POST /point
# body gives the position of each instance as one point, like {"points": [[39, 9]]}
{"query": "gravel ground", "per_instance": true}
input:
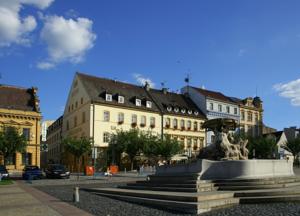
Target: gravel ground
{"points": [[99, 205]]}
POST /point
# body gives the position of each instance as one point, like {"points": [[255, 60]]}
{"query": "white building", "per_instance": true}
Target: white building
{"points": [[213, 105]]}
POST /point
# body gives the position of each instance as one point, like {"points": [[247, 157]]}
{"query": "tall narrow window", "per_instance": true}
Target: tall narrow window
{"points": [[152, 122], [242, 115], [220, 108], [83, 117], [105, 137], [106, 116], [195, 126], [211, 106], [182, 124], [235, 111], [121, 118], [189, 125], [175, 123], [75, 121], [143, 121], [249, 117], [228, 109], [167, 122], [134, 120], [26, 133]]}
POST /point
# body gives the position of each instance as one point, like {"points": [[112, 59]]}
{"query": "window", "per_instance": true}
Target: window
{"points": [[220, 108], [108, 97], [167, 122], [138, 102], [195, 144], [189, 125], [68, 126], [211, 106], [242, 115], [182, 124], [249, 117], [121, 118], [83, 117], [75, 121], [105, 137], [72, 107], [189, 142], [228, 109], [152, 122], [183, 110], [176, 109], [81, 100], [143, 121], [201, 143], [26, 158], [190, 112], [256, 118], [106, 116], [175, 123], [195, 126], [120, 99], [26, 133], [169, 109], [76, 104], [148, 104], [235, 111], [134, 119], [10, 160]]}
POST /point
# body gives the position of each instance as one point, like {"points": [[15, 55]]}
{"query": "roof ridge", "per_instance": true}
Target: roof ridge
{"points": [[13, 86]]}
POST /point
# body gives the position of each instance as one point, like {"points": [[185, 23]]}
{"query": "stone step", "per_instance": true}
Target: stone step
{"points": [[180, 189], [268, 192], [269, 199], [254, 187], [284, 178], [173, 178], [168, 184], [266, 182], [180, 206], [166, 195]]}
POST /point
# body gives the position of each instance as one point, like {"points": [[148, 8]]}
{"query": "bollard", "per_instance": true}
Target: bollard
{"points": [[76, 194], [125, 170]]}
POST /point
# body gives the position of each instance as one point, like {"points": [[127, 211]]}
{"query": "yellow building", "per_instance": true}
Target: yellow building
{"points": [[97, 107], [251, 115], [19, 107]]}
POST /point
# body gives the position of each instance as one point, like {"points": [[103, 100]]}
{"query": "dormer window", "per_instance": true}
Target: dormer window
{"points": [[169, 109], [176, 109], [120, 99], [108, 97], [196, 113], [138, 102], [148, 104], [183, 111], [190, 112]]}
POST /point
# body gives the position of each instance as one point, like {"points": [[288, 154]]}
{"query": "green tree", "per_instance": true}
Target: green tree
{"points": [[77, 147], [11, 142], [131, 142], [264, 147], [165, 148], [294, 147]]}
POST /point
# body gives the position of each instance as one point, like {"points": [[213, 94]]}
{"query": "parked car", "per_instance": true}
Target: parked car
{"points": [[4, 172], [57, 171], [32, 172]]}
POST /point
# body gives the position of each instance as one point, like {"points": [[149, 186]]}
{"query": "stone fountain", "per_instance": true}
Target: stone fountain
{"points": [[224, 159]]}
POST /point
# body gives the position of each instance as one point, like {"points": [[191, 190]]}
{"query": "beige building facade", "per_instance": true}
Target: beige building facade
{"points": [[98, 107], [19, 108]]}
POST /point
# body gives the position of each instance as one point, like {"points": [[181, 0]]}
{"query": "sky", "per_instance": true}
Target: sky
{"points": [[240, 48]]}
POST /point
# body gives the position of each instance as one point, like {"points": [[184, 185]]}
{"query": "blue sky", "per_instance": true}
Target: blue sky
{"points": [[236, 47]]}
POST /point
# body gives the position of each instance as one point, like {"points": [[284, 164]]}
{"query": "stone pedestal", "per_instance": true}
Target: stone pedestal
{"points": [[233, 169]]}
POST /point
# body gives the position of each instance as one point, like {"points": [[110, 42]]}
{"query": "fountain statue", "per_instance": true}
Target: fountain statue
{"points": [[223, 148]]}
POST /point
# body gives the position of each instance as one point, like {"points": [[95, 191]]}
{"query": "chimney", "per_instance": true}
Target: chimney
{"points": [[147, 86]]}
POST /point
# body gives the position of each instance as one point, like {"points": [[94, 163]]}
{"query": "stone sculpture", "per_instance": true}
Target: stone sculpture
{"points": [[222, 148]]}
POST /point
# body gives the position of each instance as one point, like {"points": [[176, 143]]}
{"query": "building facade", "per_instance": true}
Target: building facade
{"points": [[19, 107], [54, 139], [292, 133], [251, 115], [98, 107], [213, 105], [44, 144]]}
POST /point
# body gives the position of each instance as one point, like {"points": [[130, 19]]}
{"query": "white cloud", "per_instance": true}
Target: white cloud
{"points": [[290, 90], [13, 27], [45, 65], [142, 80], [66, 39]]}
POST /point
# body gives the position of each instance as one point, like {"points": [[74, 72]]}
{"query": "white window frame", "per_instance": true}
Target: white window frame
{"points": [[121, 117], [106, 116], [148, 104], [108, 97], [138, 102], [106, 137], [121, 99]]}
